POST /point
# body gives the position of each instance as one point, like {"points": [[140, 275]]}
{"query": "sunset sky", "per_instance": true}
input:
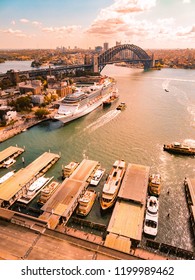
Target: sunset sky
{"points": [[88, 23]]}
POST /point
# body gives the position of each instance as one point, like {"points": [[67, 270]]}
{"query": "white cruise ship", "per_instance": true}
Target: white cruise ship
{"points": [[84, 100]]}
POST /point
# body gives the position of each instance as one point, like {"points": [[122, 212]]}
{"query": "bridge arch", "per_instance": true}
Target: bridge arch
{"points": [[108, 55]]}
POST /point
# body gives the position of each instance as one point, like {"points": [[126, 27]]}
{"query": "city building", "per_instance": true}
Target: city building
{"points": [[34, 86]]}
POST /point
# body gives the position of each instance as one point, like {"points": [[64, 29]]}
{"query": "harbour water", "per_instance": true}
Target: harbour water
{"points": [[153, 117]]}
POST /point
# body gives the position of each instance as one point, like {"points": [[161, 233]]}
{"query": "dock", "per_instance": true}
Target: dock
{"points": [[64, 201], [125, 230], [10, 152], [189, 185], [13, 188]]}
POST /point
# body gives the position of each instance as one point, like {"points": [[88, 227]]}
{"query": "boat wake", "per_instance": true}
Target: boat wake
{"points": [[190, 142], [103, 120]]}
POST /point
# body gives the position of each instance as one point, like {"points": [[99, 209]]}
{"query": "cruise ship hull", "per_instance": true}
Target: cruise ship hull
{"points": [[86, 109]]}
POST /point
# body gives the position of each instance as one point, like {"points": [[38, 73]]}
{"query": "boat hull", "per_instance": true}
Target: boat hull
{"points": [[179, 151]]}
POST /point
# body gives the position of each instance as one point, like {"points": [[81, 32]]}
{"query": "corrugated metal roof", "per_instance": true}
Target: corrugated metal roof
{"points": [[135, 183], [127, 220]]}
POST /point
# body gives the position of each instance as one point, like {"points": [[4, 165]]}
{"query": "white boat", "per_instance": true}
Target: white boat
{"points": [[151, 217], [112, 185], [86, 202], [34, 189], [9, 162], [6, 176], [83, 101], [97, 176]]}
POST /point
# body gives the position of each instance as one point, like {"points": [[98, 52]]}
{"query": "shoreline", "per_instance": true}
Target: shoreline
{"points": [[21, 126]]}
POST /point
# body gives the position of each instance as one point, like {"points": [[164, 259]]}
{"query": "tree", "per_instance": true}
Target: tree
{"points": [[21, 104], [41, 113]]}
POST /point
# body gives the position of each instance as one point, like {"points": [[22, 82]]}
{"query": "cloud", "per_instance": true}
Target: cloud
{"points": [[186, 1], [24, 20], [36, 23], [11, 31], [13, 22], [61, 29]]}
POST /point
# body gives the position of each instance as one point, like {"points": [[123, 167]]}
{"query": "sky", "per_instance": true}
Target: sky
{"points": [[150, 24]]}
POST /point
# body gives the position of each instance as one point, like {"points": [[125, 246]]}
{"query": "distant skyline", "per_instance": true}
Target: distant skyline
{"points": [[149, 24]]}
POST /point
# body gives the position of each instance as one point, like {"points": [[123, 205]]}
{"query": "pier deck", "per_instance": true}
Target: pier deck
{"points": [[10, 152], [13, 188], [123, 228], [190, 194], [64, 201]]}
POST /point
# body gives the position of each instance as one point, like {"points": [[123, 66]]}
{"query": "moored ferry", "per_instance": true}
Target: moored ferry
{"points": [[34, 189], [98, 174], [86, 202], [68, 169], [154, 185], [47, 192], [178, 148], [112, 185], [6, 176], [83, 100]]}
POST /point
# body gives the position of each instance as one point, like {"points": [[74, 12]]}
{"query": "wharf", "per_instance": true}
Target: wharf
{"points": [[10, 152], [13, 188], [125, 231], [64, 201], [189, 185]]}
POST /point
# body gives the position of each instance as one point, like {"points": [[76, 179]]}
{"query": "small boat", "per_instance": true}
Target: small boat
{"points": [[6, 176], [86, 202], [113, 97], [121, 106], [154, 185], [112, 185], [151, 217], [69, 169], [47, 192], [97, 176], [9, 162], [178, 148], [34, 189], [166, 90]]}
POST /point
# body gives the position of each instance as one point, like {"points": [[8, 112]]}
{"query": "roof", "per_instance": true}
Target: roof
{"points": [[135, 183], [128, 225]]}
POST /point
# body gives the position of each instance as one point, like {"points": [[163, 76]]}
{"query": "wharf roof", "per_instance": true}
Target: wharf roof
{"points": [[13, 185], [135, 183], [65, 197], [8, 152], [191, 187], [127, 225]]}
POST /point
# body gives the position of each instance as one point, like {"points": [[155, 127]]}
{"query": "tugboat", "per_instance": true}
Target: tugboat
{"points": [[154, 185], [112, 185], [178, 148], [113, 97], [121, 106], [86, 202]]}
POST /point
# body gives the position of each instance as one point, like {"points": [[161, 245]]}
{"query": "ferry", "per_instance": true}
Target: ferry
{"points": [[151, 217], [83, 100], [6, 176], [154, 185], [34, 189], [97, 176], [121, 106], [9, 162], [47, 192], [68, 169], [113, 97], [178, 148], [112, 185], [86, 202]]}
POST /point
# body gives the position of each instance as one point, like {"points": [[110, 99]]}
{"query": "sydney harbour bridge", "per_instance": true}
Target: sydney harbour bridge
{"points": [[128, 53]]}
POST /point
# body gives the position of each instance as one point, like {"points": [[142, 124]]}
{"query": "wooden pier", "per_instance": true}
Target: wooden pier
{"points": [[64, 201], [189, 185], [13, 188], [10, 152], [125, 230]]}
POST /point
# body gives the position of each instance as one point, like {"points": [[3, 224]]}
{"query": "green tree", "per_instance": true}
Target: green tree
{"points": [[41, 113]]}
